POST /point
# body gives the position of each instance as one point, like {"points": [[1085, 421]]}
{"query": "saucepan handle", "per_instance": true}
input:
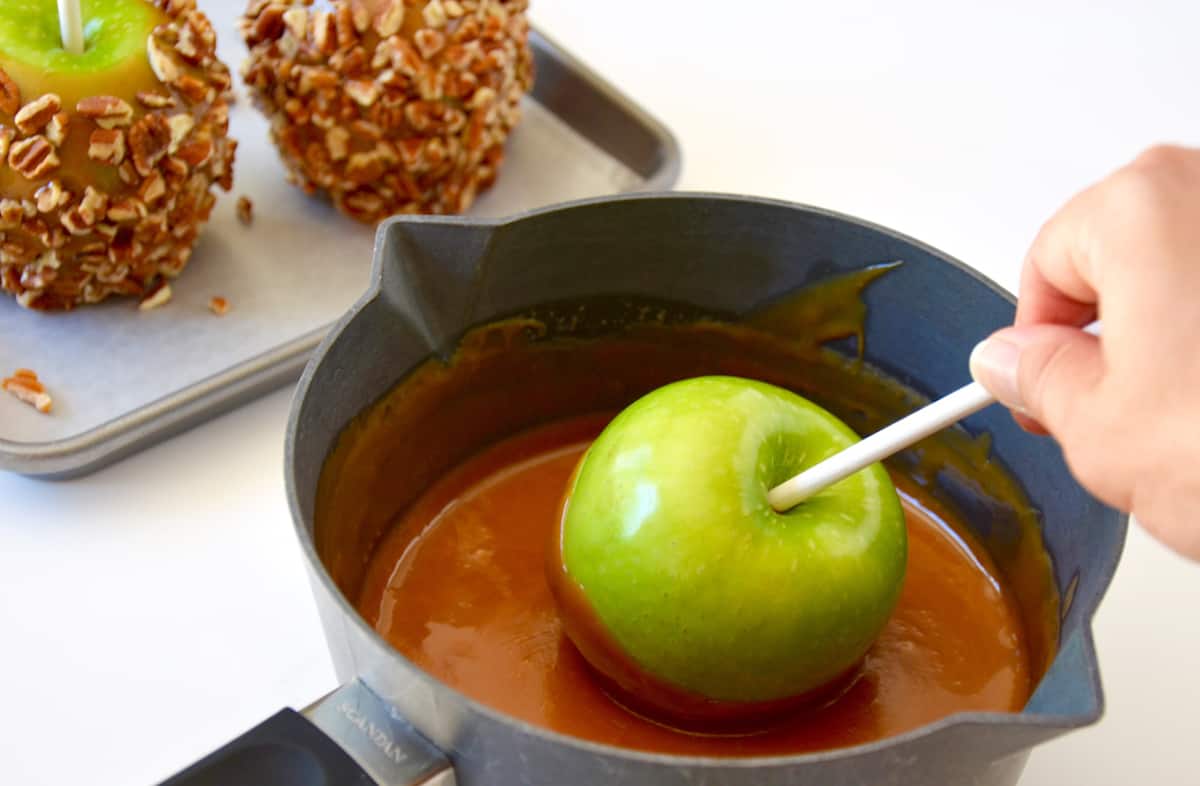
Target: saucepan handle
{"points": [[349, 738]]}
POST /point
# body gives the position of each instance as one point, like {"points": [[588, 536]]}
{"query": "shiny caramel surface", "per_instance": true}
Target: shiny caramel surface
{"points": [[457, 585]]}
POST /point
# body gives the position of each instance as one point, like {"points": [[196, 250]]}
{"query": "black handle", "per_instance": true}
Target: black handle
{"points": [[284, 750]]}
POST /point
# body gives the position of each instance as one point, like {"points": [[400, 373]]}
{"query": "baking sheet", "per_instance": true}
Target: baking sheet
{"points": [[121, 379]]}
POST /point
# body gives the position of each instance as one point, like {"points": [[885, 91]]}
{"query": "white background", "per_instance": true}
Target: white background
{"points": [[151, 611]]}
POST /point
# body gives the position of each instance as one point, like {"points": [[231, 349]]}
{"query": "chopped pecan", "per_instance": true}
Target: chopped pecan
{"points": [[25, 385], [187, 46], [434, 13], [11, 214], [361, 15], [107, 111], [296, 22], [127, 173], [267, 26], [159, 296], [107, 145], [365, 167], [94, 204], [196, 152], [10, 94], [389, 18], [421, 115], [352, 63], [51, 196], [194, 90], [245, 210], [363, 202], [314, 78], [126, 209], [33, 157], [175, 172], [435, 152], [181, 125], [56, 129], [161, 62], [153, 188], [75, 222], [13, 253], [152, 100], [347, 35], [149, 139], [324, 32], [411, 153], [364, 129], [362, 92], [34, 116], [459, 56], [429, 42], [482, 98], [337, 141]]}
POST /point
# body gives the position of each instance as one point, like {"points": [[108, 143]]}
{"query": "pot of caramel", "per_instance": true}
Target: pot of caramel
{"points": [[474, 333]]}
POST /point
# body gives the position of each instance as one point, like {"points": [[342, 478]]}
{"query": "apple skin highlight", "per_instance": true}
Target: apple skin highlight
{"points": [[697, 603]]}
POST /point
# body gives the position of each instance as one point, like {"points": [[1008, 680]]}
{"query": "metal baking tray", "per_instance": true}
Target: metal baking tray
{"points": [[123, 379]]}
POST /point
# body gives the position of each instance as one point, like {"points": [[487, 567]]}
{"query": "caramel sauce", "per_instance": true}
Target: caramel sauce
{"points": [[458, 586]]}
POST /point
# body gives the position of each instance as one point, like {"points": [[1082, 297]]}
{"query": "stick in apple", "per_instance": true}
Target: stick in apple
{"points": [[905, 432], [70, 22]]}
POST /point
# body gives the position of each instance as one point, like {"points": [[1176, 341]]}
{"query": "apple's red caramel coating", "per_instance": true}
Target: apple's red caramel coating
{"points": [[390, 106], [458, 587], [105, 179]]}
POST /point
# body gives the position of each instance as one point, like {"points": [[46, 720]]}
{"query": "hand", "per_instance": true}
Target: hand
{"points": [[1126, 406]]}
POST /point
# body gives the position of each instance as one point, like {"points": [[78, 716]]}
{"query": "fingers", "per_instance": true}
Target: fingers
{"points": [[1057, 282], [1046, 374]]}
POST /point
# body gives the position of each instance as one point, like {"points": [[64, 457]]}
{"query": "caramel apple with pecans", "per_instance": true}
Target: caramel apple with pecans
{"points": [[390, 106], [107, 152]]}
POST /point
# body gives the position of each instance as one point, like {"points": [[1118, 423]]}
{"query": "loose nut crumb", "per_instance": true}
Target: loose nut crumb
{"points": [[157, 298], [218, 305], [245, 210], [25, 385]]}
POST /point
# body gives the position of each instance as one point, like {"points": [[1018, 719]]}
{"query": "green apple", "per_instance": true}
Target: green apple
{"points": [[668, 538], [108, 155], [35, 64], [114, 32]]}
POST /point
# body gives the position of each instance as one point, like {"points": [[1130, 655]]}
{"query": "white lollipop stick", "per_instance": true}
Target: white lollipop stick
{"points": [[70, 24], [887, 441]]}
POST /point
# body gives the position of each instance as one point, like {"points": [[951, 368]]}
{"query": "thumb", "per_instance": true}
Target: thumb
{"points": [[1044, 372]]}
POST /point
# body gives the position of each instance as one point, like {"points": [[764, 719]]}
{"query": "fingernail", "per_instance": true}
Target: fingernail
{"points": [[994, 365]]}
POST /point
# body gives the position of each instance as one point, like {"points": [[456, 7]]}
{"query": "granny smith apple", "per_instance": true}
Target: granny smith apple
{"points": [[692, 586], [114, 32], [107, 155]]}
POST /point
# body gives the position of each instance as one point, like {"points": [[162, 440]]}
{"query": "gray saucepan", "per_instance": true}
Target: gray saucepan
{"points": [[436, 277]]}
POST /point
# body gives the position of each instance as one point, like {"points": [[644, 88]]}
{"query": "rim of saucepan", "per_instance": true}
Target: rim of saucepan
{"points": [[1047, 721]]}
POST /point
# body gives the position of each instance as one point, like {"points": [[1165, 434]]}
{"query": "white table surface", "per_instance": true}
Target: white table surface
{"points": [[153, 610]]}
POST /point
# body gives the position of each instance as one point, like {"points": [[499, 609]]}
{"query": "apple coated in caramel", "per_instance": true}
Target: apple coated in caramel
{"points": [[107, 158], [390, 106]]}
